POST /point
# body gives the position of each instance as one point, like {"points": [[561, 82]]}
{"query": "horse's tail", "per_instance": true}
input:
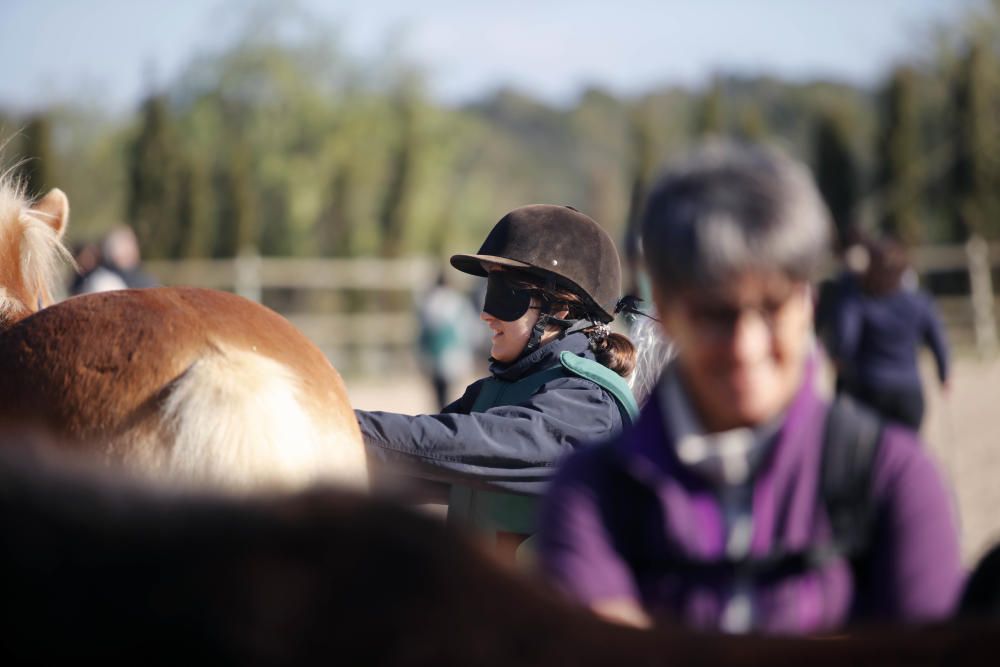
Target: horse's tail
{"points": [[653, 351], [239, 419]]}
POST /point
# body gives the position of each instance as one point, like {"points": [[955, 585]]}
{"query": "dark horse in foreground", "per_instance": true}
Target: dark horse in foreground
{"points": [[94, 567]]}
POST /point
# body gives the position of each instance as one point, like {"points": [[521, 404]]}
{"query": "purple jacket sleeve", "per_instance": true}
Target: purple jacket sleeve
{"points": [[917, 572], [575, 551]]}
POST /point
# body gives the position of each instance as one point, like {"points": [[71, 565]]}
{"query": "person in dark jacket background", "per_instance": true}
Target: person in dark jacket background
{"points": [[553, 286], [725, 505], [879, 329]]}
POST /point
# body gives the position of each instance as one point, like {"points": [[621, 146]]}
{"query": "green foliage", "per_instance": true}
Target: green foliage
{"points": [[900, 155], [836, 171], [153, 181], [281, 141], [711, 119], [37, 168], [974, 168]]}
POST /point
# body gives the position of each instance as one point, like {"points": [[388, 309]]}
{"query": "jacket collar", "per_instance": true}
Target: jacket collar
{"points": [[649, 450], [544, 357]]}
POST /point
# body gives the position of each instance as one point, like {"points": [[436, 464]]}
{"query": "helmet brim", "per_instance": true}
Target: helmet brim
{"points": [[473, 264]]}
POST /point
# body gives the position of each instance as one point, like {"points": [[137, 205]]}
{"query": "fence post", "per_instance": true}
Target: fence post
{"points": [[981, 283], [247, 268]]}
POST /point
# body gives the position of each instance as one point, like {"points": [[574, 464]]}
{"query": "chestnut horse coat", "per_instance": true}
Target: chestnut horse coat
{"points": [[192, 385]]}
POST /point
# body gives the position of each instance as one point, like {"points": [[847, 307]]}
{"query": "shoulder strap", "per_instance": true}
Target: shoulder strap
{"points": [[853, 433], [500, 392], [605, 378]]}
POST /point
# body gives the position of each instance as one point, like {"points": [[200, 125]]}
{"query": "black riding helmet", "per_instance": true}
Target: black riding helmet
{"points": [[556, 243]]}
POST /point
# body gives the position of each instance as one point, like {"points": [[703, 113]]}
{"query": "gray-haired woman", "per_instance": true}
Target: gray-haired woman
{"points": [[742, 500]]}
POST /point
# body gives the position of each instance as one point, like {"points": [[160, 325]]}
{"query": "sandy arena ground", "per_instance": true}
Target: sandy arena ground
{"points": [[962, 429]]}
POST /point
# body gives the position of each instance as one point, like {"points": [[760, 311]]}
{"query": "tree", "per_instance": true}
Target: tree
{"points": [[335, 223], [641, 131], [710, 119], [836, 171], [153, 181], [393, 211], [752, 126], [195, 211], [973, 174], [899, 153], [237, 215], [37, 169]]}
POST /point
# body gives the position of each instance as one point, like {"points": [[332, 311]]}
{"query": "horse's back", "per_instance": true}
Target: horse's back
{"points": [[199, 382]]}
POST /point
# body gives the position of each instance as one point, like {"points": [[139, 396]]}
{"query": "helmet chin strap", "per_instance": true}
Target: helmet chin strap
{"points": [[544, 319]]}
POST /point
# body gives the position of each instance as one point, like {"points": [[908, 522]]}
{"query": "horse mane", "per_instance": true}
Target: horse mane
{"points": [[42, 252]]}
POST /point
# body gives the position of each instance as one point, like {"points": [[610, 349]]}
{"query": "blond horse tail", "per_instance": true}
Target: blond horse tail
{"points": [[236, 419]]}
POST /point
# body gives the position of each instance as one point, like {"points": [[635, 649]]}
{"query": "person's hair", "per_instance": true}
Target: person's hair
{"points": [[733, 208], [613, 350], [887, 264]]}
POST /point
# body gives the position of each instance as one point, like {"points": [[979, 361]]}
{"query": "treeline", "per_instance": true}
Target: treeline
{"points": [[291, 147]]}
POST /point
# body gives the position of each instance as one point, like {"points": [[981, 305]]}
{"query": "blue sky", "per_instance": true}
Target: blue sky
{"points": [[104, 50]]}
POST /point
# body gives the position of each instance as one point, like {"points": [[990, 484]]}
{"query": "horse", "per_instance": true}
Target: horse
{"points": [[98, 567], [190, 385]]}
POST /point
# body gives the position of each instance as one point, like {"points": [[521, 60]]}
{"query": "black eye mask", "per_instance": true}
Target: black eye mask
{"points": [[503, 301]]}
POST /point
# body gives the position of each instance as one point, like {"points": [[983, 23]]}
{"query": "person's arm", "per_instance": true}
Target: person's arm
{"points": [[935, 338], [847, 330], [575, 549], [513, 443], [917, 572]]}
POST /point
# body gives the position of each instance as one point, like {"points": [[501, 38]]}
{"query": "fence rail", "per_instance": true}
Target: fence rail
{"points": [[356, 341], [369, 341]]}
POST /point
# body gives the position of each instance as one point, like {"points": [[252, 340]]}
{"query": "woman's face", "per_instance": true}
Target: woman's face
{"points": [[510, 338], [741, 348]]}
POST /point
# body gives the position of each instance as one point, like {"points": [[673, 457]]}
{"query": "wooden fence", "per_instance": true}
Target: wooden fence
{"points": [[361, 312]]}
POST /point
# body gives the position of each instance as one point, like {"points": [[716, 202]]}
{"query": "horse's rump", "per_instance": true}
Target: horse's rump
{"points": [[193, 384]]}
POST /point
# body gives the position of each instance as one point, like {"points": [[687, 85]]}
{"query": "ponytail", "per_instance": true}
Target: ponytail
{"points": [[616, 352]]}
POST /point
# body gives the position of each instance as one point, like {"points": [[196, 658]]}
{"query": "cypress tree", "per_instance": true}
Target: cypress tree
{"points": [[152, 181], [393, 211], [194, 208], [973, 172], [641, 131], [752, 126], [335, 223], [710, 119], [836, 172], [37, 169], [237, 214], [899, 155]]}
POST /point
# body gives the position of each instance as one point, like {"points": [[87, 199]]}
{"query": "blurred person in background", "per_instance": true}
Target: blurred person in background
{"points": [[556, 376], [741, 500], [92, 275], [853, 260], [879, 329], [447, 342], [120, 251]]}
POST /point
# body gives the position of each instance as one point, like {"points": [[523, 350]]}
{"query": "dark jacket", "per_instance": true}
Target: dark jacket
{"points": [[514, 447], [878, 338]]}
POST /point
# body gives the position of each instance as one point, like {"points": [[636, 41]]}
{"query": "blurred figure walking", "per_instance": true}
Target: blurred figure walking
{"points": [[878, 333], [92, 275], [446, 344], [120, 250]]}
